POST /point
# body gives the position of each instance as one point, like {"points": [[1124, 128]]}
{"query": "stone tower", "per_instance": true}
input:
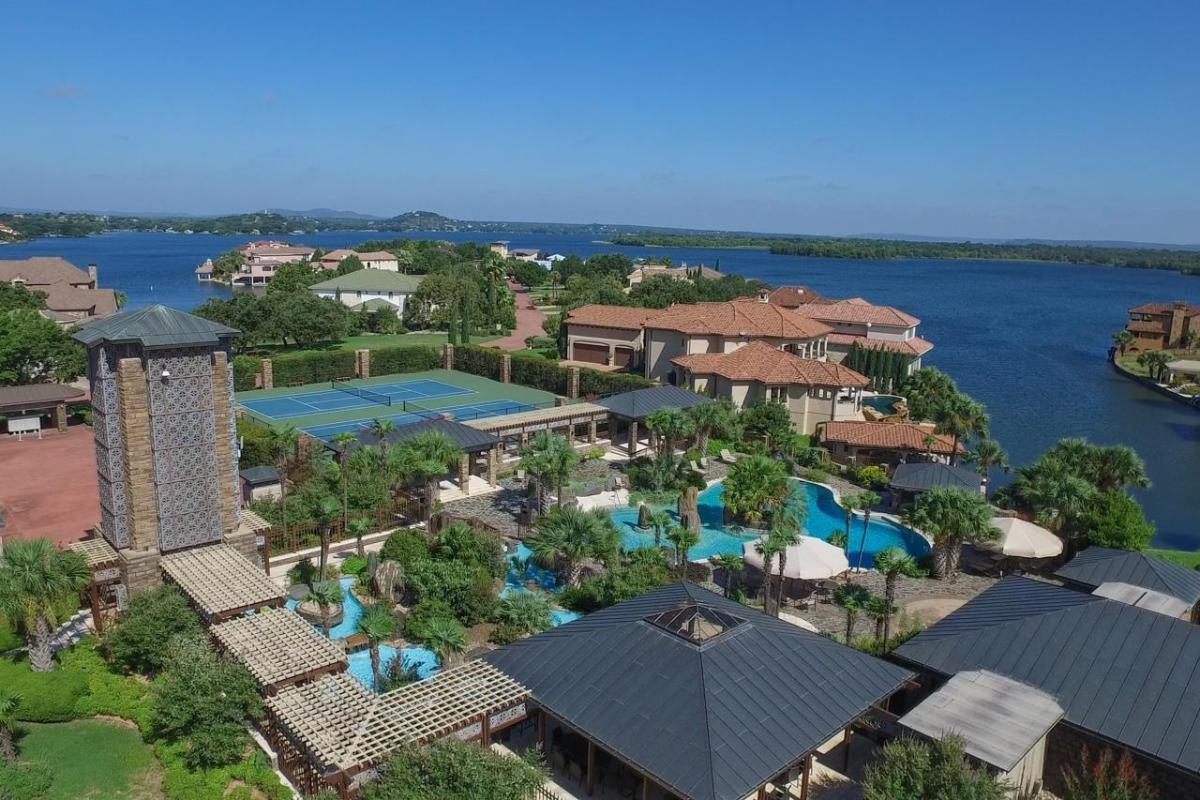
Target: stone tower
{"points": [[166, 455]]}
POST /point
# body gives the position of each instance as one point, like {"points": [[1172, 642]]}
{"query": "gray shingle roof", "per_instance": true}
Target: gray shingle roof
{"points": [[37, 395], [640, 403], [1098, 565], [712, 720], [155, 326], [922, 476], [1120, 672], [257, 476]]}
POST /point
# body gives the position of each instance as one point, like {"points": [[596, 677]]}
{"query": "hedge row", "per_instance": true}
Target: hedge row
{"points": [[245, 370], [315, 367], [539, 373], [478, 361], [393, 360], [593, 382]]}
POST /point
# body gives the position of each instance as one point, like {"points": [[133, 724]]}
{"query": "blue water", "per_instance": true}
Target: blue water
{"points": [[824, 517], [514, 581], [1027, 339], [883, 403], [360, 662]]}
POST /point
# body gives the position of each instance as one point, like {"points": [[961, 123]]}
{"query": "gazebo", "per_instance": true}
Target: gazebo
{"points": [[694, 694], [24, 405], [473, 442], [630, 409]]}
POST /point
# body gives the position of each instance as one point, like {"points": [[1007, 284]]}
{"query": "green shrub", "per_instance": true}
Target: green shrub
{"points": [[393, 360], [481, 361], [450, 768], [405, 547], [816, 475], [24, 781], [466, 587], [1114, 519], [461, 542], [594, 382], [256, 443], [45, 696], [643, 570], [505, 634], [539, 373], [416, 624], [181, 783], [141, 638], [108, 692], [354, 565], [245, 370], [871, 476], [316, 366], [715, 446]]}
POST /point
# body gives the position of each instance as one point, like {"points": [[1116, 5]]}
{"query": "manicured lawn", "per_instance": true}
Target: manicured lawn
{"points": [[1184, 558], [1129, 364], [375, 341], [93, 759]]}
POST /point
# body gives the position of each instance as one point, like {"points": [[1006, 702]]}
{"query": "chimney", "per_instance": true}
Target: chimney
{"points": [[764, 296], [1175, 327], [94, 275]]}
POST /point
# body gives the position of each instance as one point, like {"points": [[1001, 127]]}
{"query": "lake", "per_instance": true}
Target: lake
{"points": [[1027, 339]]}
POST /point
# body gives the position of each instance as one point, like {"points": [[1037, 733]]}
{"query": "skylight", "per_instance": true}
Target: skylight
{"points": [[695, 623]]}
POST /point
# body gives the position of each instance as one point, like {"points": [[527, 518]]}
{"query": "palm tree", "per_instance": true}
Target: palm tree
{"points": [[768, 547], [865, 501], [342, 442], [427, 457], [528, 612], [1122, 339], [892, 562], [326, 513], [446, 638], [283, 444], [951, 516], [756, 486], [35, 579], [718, 418], [960, 417], [853, 597], [550, 458], [326, 595], [839, 538], [8, 725], [988, 454], [785, 529], [378, 625], [661, 522], [849, 503], [1154, 361], [380, 428], [732, 565], [1117, 466], [671, 425], [684, 539], [566, 536], [358, 528], [880, 610]]}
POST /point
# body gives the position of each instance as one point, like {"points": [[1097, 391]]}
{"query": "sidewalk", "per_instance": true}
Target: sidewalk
{"points": [[529, 322]]}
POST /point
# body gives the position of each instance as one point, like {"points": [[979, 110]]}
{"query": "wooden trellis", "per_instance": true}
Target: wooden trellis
{"points": [[220, 581], [279, 647]]}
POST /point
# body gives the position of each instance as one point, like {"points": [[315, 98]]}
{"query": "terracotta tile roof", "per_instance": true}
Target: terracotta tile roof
{"points": [[858, 310], [1163, 308], [888, 436], [65, 297], [1147, 326], [738, 318], [759, 361], [915, 346], [623, 317], [376, 255], [42, 271], [336, 255], [793, 296]]}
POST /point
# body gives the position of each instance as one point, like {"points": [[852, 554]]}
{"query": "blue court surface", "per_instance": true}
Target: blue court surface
{"points": [[304, 404], [491, 408]]}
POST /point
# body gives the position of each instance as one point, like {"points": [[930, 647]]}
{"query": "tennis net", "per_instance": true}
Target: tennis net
{"points": [[365, 394]]}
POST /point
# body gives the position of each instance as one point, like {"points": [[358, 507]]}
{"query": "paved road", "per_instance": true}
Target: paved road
{"points": [[529, 322]]}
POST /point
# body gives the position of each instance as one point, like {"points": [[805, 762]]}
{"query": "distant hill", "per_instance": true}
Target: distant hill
{"points": [[322, 213]]}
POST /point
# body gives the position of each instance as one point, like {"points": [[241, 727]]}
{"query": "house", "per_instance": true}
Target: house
{"points": [[260, 260], [795, 296], [682, 273], [369, 289], [72, 295], [371, 260], [610, 335], [260, 483], [548, 261], [1125, 677], [1183, 370], [858, 322], [1097, 566], [500, 248], [813, 391], [885, 443], [1164, 326]]}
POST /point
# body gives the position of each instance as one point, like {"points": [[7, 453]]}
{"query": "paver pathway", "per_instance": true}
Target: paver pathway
{"points": [[529, 322]]}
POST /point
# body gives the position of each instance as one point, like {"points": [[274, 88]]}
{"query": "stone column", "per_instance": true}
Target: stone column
{"points": [[464, 473], [134, 414], [227, 478], [573, 382], [245, 542], [447, 356], [591, 437], [362, 360], [268, 374], [60, 417], [493, 460], [506, 368], [653, 441], [633, 437], [139, 570]]}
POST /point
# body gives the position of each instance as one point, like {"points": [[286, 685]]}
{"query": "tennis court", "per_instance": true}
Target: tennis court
{"points": [[327, 409]]}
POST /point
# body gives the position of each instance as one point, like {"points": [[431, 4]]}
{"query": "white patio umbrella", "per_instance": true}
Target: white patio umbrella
{"points": [[810, 559], [1021, 539]]}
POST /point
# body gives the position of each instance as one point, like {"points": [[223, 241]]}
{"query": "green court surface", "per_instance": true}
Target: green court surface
{"points": [[324, 410]]}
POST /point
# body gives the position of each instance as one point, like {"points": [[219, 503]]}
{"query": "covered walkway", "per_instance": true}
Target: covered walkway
{"points": [[221, 582]]}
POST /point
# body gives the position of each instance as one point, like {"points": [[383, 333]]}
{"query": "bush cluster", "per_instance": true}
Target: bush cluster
{"points": [[312, 367], [394, 360], [245, 370]]}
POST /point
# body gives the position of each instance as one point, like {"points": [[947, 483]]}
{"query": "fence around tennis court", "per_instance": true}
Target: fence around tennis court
{"points": [[303, 536]]}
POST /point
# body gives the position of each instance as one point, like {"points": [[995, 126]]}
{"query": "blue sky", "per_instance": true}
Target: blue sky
{"points": [[1042, 119]]}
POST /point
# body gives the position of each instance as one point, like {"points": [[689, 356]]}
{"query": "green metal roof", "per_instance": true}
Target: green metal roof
{"points": [[372, 280], [155, 326]]}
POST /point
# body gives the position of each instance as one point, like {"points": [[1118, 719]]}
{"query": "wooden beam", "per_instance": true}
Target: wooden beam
{"points": [[762, 792], [846, 740], [591, 767], [541, 733], [805, 777], [645, 787], [485, 733]]}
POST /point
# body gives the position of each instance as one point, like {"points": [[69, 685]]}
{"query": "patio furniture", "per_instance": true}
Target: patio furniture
{"points": [[728, 457], [1021, 539], [696, 467], [823, 589], [809, 559]]}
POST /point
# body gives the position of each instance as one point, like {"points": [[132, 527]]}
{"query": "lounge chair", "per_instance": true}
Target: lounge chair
{"points": [[728, 457], [696, 467]]}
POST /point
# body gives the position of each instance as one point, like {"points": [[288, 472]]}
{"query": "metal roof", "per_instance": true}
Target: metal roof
{"points": [[641, 403], [371, 280], [709, 719], [469, 439], [155, 326], [258, 476], [1123, 673], [999, 719], [37, 395], [1142, 598], [1098, 565], [922, 476]]}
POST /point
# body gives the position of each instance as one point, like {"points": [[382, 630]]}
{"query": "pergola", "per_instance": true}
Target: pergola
{"points": [[514, 430], [631, 409], [279, 648], [333, 732], [221, 582], [470, 439], [104, 566]]}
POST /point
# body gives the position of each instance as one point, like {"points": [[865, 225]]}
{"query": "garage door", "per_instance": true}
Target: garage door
{"points": [[623, 356], [591, 353]]}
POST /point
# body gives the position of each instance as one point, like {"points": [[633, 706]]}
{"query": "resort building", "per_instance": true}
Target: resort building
{"points": [[813, 391], [1098, 567], [795, 296], [1164, 326], [1125, 677], [857, 322], [72, 295], [885, 443], [371, 260], [681, 273], [682, 693], [607, 335], [262, 259], [370, 289]]}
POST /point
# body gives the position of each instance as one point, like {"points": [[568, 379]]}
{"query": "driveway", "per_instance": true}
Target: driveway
{"points": [[529, 322]]}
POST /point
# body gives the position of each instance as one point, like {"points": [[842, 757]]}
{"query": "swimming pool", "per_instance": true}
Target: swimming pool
{"points": [[883, 403], [824, 517], [515, 580]]}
